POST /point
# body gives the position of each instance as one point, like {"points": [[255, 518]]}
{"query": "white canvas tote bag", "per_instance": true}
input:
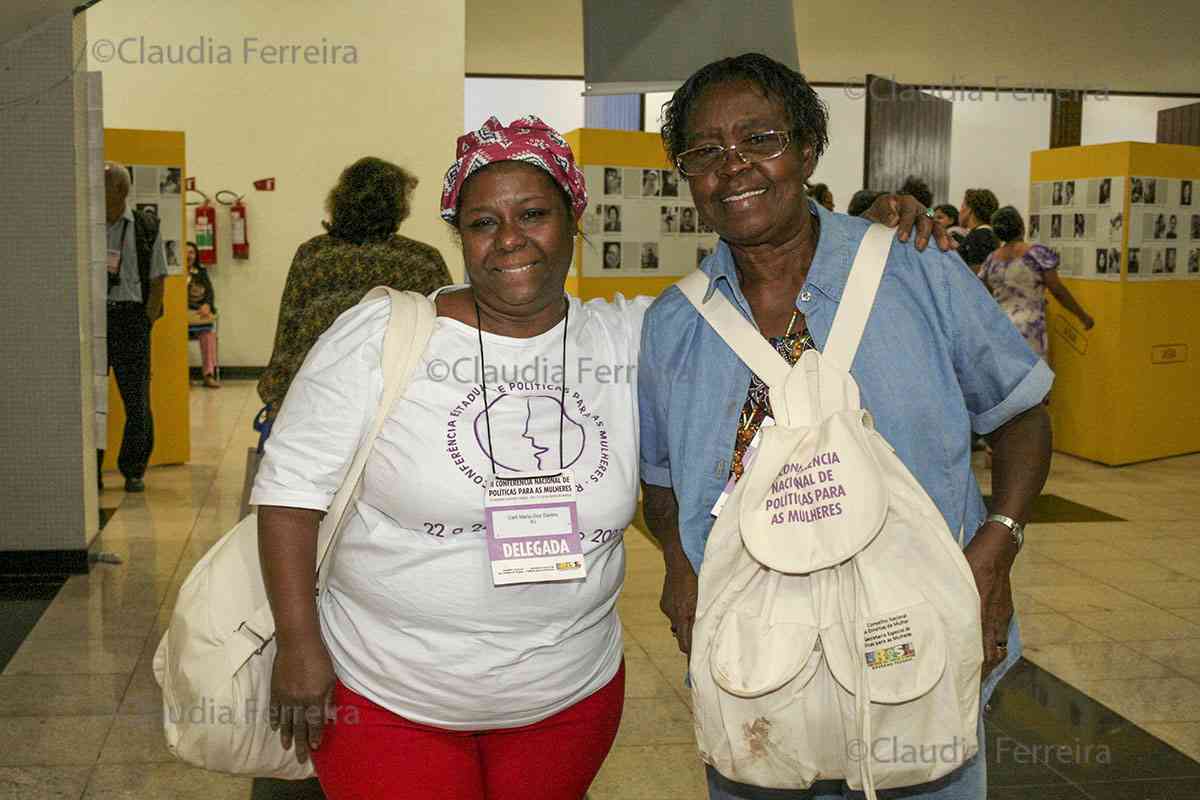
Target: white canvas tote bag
{"points": [[214, 662], [837, 633]]}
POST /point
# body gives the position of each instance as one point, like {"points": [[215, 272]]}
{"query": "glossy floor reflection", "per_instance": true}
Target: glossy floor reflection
{"points": [[1107, 707]]}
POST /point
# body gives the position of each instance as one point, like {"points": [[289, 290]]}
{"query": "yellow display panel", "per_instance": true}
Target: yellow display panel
{"points": [[169, 343], [631, 149], [1129, 389]]}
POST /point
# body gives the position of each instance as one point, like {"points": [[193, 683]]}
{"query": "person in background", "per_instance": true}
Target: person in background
{"points": [[1018, 275], [137, 265], [821, 193], [946, 215], [975, 247], [978, 205], [862, 200], [331, 272], [938, 359], [202, 315], [918, 188]]}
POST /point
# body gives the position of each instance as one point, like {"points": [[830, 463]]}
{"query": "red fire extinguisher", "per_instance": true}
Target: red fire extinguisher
{"points": [[239, 233], [206, 233]]}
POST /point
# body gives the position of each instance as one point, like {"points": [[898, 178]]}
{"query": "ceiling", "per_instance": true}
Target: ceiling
{"points": [[22, 15]]}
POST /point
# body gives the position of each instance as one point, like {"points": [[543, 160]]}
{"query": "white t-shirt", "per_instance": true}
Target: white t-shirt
{"points": [[410, 615]]}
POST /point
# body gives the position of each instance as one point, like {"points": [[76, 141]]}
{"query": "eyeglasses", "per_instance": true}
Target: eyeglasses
{"points": [[754, 148]]}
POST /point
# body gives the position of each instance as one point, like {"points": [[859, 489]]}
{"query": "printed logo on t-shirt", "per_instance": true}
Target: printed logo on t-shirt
{"points": [[524, 421]]}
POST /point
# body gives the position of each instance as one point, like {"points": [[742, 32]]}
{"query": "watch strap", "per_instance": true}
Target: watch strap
{"points": [[1017, 529]]}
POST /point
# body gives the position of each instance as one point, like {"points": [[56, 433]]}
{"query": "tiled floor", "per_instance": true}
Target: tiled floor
{"points": [[1110, 611]]}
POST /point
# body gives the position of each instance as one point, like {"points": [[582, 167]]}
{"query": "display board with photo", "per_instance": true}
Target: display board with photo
{"points": [[1164, 226], [1082, 221], [159, 191], [642, 223]]}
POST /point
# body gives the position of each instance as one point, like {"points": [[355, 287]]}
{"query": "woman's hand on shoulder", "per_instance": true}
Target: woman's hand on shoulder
{"points": [[302, 683], [906, 215]]}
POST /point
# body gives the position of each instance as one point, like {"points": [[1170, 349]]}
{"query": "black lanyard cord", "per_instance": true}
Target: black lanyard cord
{"points": [[487, 417]]}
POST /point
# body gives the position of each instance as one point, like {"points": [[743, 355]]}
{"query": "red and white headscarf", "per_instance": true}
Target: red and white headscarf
{"points": [[527, 139]]}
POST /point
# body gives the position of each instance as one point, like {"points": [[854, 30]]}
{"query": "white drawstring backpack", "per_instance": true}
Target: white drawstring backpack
{"points": [[837, 632], [214, 663]]}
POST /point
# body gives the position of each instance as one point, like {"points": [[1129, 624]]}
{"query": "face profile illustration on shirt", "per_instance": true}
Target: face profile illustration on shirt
{"points": [[525, 433]]}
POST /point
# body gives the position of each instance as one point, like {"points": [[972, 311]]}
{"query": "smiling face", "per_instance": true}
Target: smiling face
{"points": [[518, 239], [748, 204]]}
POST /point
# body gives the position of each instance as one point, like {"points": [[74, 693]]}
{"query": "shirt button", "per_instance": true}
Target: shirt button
{"points": [[805, 296]]}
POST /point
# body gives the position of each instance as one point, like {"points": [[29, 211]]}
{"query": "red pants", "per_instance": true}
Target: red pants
{"points": [[382, 756]]}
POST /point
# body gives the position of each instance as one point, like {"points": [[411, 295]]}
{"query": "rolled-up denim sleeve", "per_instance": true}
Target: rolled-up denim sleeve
{"points": [[653, 385], [999, 375]]}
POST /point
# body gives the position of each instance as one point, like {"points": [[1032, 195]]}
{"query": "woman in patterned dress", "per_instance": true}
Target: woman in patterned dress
{"points": [[1018, 275]]}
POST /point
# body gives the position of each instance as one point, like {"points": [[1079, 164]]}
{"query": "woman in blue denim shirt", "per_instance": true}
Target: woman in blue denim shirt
{"points": [[938, 358]]}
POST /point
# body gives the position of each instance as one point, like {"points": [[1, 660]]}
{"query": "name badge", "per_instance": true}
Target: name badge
{"points": [[114, 262], [747, 460], [532, 526]]}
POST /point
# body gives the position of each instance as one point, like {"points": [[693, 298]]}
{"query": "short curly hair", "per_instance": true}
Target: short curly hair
{"points": [[808, 114], [919, 189], [1008, 225], [983, 204], [370, 200]]}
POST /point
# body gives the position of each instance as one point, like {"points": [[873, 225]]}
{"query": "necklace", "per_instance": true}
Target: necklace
{"points": [[562, 402]]}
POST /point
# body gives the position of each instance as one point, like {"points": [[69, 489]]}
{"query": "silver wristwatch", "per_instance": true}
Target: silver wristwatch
{"points": [[1017, 529]]}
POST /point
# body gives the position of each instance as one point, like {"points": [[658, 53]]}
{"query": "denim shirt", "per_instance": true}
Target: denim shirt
{"points": [[938, 359]]}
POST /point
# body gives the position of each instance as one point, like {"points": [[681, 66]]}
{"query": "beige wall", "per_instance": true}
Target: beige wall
{"points": [[1081, 43], [301, 123], [534, 37]]}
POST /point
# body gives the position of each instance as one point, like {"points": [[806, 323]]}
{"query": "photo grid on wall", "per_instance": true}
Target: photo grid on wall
{"points": [[1164, 229], [1082, 222], [158, 191], [641, 223]]}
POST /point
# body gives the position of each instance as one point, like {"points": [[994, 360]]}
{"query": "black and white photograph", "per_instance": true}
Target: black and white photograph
{"points": [[612, 255], [1196, 226], [1115, 223], [169, 180], [668, 219], [687, 220], [612, 219], [1080, 231], [704, 252], [1114, 261], [670, 183], [1102, 261], [1056, 226], [1151, 190], [1137, 192], [171, 249], [1058, 194], [1185, 193], [651, 183], [1194, 262], [1160, 226], [1068, 193], [649, 255], [1134, 260], [1035, 227], [149, 208], [1105, 191], [1171, 260], [1157, 263], [612, 180], [1172, 226]]}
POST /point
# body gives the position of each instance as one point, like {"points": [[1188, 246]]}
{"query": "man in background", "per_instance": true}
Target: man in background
{"points": [[137, 265]]}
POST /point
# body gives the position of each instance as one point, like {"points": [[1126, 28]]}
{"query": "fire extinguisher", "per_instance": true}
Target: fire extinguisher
{"points": [[206, 233], [239, 233]]}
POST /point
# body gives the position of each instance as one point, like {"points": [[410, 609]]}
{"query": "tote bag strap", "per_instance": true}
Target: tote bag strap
{"points": [[737, 331], [858, 297], [410, 325]]}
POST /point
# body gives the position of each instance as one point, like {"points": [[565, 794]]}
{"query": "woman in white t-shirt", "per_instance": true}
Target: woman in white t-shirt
{"points": [[435, 681]]}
